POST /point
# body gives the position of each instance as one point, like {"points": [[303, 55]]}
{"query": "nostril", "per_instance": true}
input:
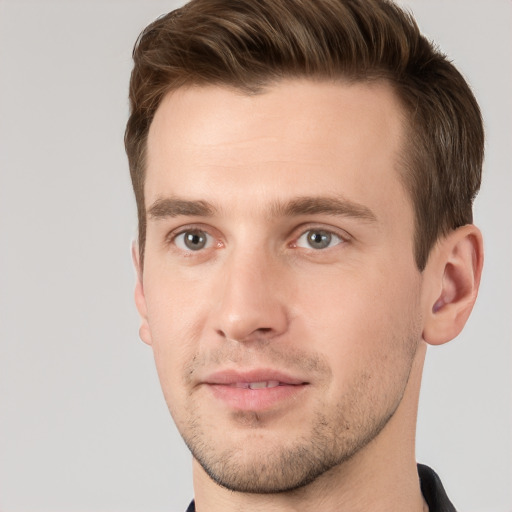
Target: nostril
{"points": [[260, 330], [260, 334], [235, 319]]}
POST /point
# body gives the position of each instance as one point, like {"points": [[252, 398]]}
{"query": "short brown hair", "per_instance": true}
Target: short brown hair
{"points": [[250, 44]]}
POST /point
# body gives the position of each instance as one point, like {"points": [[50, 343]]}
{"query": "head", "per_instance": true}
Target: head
{"points": [[304, 173]]}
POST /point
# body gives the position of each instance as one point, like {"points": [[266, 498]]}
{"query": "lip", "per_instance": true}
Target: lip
{"points": [[232, 377], [234, 388]]}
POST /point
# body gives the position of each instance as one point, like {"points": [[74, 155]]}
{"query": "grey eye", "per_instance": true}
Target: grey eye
{"points": [[318, 239], [193, 240]]}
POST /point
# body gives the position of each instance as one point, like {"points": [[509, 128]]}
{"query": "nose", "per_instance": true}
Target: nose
{"points": [[251, 298]]}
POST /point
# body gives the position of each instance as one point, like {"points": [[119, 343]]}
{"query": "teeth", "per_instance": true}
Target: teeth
{"points": [[258, 385]]}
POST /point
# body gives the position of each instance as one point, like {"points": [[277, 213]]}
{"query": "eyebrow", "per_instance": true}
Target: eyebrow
{"points": [[335, 206], [173, 207]]}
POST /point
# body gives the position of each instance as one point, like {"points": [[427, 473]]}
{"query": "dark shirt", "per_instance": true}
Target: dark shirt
{"points": [[431, 487], [433, 491]]}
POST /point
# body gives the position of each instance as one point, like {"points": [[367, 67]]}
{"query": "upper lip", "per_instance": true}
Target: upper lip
{"points": [[229, 377]]}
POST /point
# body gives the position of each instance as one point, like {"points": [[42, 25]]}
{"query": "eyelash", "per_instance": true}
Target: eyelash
{"points": [[194, 230], [327, 236], [303, 232]]}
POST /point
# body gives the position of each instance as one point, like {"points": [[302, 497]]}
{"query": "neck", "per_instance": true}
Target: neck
{"points": [[381, 477]]}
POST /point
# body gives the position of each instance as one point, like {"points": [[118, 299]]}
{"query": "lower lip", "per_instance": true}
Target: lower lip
{"points": [[245, 399]]}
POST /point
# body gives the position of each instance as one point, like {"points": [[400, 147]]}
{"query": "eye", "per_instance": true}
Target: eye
{"points": [[318, 239], [192, 240]]}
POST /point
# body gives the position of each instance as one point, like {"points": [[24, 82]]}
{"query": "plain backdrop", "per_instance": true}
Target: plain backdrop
{"points": [[83, 424]]}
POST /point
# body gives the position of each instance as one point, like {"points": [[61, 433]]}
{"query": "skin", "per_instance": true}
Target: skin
{"points": [[345, 312]]}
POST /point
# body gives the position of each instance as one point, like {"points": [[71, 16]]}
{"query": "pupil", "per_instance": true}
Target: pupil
{"points": [[319, 239], [195, 241]]}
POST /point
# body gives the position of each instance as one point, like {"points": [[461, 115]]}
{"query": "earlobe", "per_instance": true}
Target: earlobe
{"points": [[140, 299], [453, 273]]}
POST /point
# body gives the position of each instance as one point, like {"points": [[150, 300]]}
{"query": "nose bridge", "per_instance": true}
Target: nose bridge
{"points": [[250, 301]]}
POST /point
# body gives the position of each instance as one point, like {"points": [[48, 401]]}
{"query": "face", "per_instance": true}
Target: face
{"points": [[279, 291]]}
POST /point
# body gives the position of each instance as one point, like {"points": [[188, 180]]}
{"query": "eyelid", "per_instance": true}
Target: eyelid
{"points": [[170, 238], [299, 231], [305, 228], [180, 243]]}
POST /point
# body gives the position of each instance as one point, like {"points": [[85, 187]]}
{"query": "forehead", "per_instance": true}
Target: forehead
{"points": [[296, 138]]}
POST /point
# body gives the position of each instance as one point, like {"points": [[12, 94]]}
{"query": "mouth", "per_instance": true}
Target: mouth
{"points": [[258, 385], [257, 390]]}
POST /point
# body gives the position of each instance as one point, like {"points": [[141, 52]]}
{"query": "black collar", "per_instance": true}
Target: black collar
{"points": [[433, 491]]}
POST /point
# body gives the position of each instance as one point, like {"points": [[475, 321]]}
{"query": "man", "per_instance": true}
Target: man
{"points": [[304, 175]]}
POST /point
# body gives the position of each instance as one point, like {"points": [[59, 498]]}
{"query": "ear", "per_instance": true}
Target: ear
{"points": [[451, 281], [140, 299]]}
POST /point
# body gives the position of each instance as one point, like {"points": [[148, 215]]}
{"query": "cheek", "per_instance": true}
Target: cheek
{"points": [[176, 324], [362, 321], [174, 303]]}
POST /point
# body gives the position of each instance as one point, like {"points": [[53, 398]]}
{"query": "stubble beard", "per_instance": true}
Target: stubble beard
{"points": [[281, 469], [291, 464], [334, 435]]}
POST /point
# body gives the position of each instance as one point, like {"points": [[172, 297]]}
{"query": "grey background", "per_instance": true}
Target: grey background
{"points": [[83, 425]]}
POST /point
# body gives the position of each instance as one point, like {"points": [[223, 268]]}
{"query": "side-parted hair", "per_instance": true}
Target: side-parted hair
{"points": [[251, 44]]}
